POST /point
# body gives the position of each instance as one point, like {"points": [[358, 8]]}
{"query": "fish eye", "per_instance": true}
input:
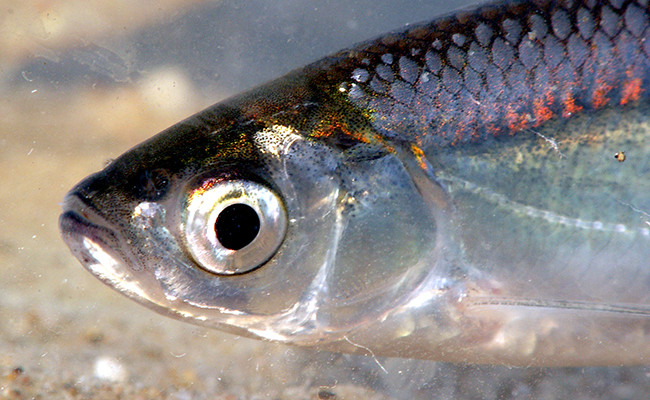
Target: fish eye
{"points": [[233, 226]]}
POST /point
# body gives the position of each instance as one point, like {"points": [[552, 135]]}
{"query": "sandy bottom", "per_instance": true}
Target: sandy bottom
{"points": [[81, 84]]}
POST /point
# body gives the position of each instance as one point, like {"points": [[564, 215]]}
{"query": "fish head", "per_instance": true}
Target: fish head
{"points": [[257, 226]]}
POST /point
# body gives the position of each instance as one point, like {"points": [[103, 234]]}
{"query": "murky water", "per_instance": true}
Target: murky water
{"points": [[80, 84]]}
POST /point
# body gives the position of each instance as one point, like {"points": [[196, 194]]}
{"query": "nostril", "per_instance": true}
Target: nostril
{"points": [[153, 184]]}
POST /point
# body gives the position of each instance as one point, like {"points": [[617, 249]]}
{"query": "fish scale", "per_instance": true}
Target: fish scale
{"points": [[499, 69]]}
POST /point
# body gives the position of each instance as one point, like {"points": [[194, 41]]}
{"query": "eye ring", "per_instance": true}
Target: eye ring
{"points": [[233, 227]]}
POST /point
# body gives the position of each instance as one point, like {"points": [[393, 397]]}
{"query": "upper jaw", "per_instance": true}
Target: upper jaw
{"points": [[98, 246]]}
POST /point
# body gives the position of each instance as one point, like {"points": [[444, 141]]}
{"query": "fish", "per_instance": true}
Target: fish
{"points": [[472, 190]]}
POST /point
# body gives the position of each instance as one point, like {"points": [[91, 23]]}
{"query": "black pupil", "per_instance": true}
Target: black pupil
{"points": [[237, 226]]}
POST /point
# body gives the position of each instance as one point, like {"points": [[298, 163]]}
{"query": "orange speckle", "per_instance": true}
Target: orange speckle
{"points": [[493, 129], [516, 122], [631, 91], [570, 106], [336, 124], [600, 98], [541, 111], [207, 185], [419, 154]]}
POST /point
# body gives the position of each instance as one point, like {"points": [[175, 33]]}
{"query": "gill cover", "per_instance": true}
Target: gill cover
{"points": [[345, 254]]}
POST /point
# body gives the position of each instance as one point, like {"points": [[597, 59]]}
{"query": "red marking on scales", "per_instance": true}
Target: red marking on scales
{"points": [[631, 91]]}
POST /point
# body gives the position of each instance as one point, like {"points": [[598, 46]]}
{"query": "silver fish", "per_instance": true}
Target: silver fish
{"points": [[472, 189]]}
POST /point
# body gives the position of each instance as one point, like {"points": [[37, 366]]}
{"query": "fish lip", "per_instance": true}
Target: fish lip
{"points": [[74, 228], [102, 251], [87, 233], [81, 219], [79, 208]]}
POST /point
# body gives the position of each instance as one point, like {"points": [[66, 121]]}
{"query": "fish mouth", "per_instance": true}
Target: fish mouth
{"points": [[81, 222], [100, 249]]}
